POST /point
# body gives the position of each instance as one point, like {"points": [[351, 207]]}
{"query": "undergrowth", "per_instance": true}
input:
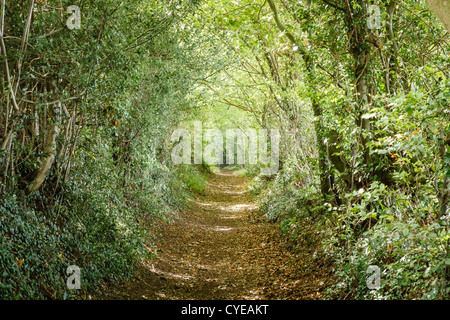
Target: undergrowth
{"points": [[100, 228], [402, 239]]}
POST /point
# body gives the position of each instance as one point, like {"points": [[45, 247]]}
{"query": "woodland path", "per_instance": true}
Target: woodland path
{"points": [[219, 248]]}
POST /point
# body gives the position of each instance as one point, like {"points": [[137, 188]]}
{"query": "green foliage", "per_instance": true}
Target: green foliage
{"points": [[387, 155], [363, 116], [281, 200], [194, 179], [124, 81], [394, 226], [411, 258], [37, 247]]}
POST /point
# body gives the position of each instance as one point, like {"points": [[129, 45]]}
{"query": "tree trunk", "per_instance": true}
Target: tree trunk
{"points": [[325, 177], [48, 150], [359, 49]]}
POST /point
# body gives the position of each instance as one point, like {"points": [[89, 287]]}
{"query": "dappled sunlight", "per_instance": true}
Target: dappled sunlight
{"points": [[205, 204], [229, 208], [214, 252], [212, 228], [155, 270], [199, 149], [231, 217], [229, 190], [253, 294], [161, 295], [238, 207], [218, 228]]}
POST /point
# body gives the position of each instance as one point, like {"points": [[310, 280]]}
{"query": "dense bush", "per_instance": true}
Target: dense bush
{"points": [[84, 159], [37, 247]]}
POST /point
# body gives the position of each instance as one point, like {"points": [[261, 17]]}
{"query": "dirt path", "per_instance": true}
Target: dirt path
{"points": [[219, 249]]}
